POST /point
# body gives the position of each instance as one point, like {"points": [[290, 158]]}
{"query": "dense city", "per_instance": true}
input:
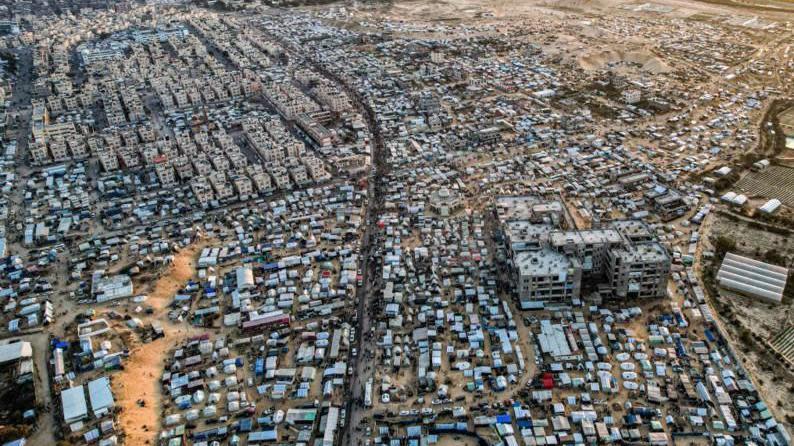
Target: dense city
{"points": [[402, 223]]}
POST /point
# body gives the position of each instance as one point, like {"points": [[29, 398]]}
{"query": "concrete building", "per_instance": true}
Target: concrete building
{"points": [[622, 260], [547, 275], [445, 202], [165, 173], [669, 206], [631, 96]]}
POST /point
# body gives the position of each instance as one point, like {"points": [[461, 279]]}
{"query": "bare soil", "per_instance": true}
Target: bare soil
{"points": [[139, 381]]}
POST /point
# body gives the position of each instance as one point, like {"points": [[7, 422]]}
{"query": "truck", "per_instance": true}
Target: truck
{"points": [[368, 393]]}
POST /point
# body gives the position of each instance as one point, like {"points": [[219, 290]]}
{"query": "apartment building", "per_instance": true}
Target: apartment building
{"points": [[129, 158], [39, 153], [165, 174], [242, 185], [260, 178], [331, 97], [288, 100], [547, 275], [317, 132], [280, 177], [621, 260], [220, 185], [108, 160], [299, 174], [669, 206], [315, 168], [638, 271], [184, 168], [202, 190]]}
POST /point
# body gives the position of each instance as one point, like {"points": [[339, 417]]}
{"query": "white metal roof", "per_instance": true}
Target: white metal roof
{"points": [[752, 277], [15, 351], [74, 405], [770, 206], [100, 395]]}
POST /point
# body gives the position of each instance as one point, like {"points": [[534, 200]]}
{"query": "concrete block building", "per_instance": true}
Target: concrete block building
{"points": [[622, 260]]}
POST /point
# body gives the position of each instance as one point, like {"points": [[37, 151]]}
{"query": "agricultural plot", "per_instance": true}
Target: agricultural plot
{"points": [[774, 182], [784, 343]]}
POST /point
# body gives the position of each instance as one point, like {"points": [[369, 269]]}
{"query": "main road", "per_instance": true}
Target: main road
{"points": [[366, 294]]}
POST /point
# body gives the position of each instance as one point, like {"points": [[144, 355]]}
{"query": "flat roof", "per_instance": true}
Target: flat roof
{"points": [[74, 405], [588, 237], [15, 351], [544, 262], [100, 395]]}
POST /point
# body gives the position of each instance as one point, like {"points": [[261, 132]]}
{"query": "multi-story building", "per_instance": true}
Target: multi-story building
{"points": [[129, 158], [184, 169], [202, 191], [669, 206], [39, 153], [546, 274], [317, 132], [280, 177], [631, 96], [243, 185], [59, 150], [165, 174], [78, 148], [638, 270], [620, 260], [315, 168], [108, 160], [299, 174], [222, 187], [260, 178]]}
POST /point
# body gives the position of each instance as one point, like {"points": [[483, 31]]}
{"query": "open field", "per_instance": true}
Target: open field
{"points": [[764, 322]]}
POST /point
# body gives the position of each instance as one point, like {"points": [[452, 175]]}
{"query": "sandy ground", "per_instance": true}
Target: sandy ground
{"points": [[449, 10], [456, 440], [642, 57], [140, 378]]}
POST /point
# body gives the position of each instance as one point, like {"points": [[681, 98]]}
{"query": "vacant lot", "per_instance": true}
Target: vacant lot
{"points": [[752, 323]]}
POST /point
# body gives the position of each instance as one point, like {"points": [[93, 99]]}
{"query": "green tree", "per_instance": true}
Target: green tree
{"points": [[774, 257], [724, 244]]}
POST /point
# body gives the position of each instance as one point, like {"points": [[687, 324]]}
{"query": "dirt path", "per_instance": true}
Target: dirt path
{"points": [[45, 431], [141, 375]]}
